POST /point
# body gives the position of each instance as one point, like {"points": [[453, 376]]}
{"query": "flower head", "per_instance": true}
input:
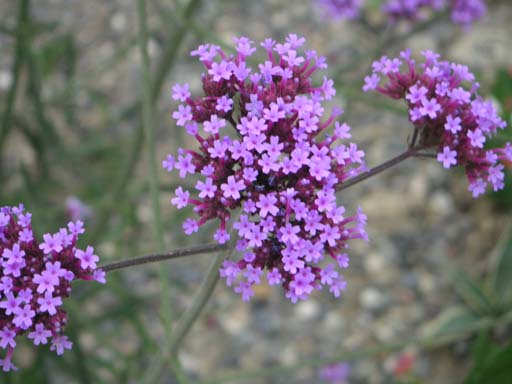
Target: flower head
{"points": [[341, 9], [34, 280], [281, 167], [463, 12], [448, 115], [335, 373]]}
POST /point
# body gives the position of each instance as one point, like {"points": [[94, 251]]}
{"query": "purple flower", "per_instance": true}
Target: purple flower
{"points": [[281, 167], [51, 243], [182, 115], [214, 125], [452, 124], [340, 9], [180, 92], [463, 12], [416, 94], [267, 205], [232, 188], [60, 343], [335, 373], [76, 209], [224, 104], [23, 316], [48, 303], [449, 116], [87, 259], [39, 335], [244, 289], [429, 108], [181, 199], [7, 336], [185, 165], [35, 279], [168, 163]]}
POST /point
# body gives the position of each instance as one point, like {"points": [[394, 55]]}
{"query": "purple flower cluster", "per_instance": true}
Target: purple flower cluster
{"points": [[463, 12], [447, 114], [341, 9], [279, 166], [35, 278], [335, 373]]}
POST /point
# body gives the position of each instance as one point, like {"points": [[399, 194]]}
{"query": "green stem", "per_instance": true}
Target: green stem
{"points": [[171, 50], [203, 295], [48, 131], [19, 58], [148, 124], [116, 198], [157, 257], [190, 316], [411, 152]]}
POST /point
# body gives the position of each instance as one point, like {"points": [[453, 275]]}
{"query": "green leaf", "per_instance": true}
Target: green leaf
{"points": [[493, 367], [471, 291], [502, 92], [500, 278], [452, 321]]}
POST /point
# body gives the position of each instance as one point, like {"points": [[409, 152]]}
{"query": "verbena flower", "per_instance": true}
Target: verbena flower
{"points": [[341, 9], [264, 149], [77, 209], [448, 114], [335, 373], [35, 278], [463, 12]]}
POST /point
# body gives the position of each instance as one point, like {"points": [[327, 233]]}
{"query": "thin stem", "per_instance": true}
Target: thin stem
{"points": [[411, 152], [157, 257], [169, 55], [148, 124], [426, 155], [190, 316], [412, 143], [19, 58], [166, 62], [203, 295]]}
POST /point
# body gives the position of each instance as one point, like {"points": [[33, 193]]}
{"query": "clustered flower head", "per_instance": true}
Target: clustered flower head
{"points": [[278, 164], [335, 373], [447, 113], [35, 278], [462, 12], [341, 9]]}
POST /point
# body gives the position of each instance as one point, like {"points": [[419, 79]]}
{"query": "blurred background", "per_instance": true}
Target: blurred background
{"points": [[428, 298]]}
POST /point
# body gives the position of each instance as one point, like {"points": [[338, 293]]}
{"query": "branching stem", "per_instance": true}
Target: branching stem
{"points": [[157, 257]]}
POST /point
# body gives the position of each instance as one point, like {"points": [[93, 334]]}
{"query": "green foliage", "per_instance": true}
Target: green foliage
{"points": [[485, 303], [500, 279], [492, 363], [502, 92], [453, 320]]}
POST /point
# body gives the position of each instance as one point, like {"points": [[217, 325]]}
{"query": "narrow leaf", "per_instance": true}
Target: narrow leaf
{"points": [[454, 320], [471, 291]]}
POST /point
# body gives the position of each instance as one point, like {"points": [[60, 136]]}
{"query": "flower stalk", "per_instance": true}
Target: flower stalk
{"points": [[157, 257]]}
